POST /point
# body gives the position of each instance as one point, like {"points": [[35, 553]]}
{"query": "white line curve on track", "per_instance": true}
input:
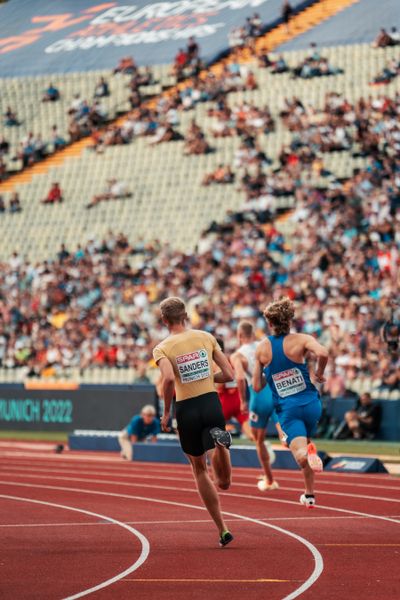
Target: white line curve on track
{"points": [[318, 561], [230, 494], [143, 540], [187, 479], [137, 474], [71, 456]]}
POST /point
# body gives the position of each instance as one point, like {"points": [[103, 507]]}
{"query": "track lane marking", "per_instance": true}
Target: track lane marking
{"points": [[190, 479], [194, 490], [143, 540], [170, 522], [318, 561], [214, 580], [249, 472], [129, 465]]}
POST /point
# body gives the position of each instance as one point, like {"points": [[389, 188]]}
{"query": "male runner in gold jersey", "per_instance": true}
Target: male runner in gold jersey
{"points": [[185, 359]]}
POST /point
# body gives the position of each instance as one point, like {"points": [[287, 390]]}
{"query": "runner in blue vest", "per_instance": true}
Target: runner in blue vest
{"points": [[280, 360]]}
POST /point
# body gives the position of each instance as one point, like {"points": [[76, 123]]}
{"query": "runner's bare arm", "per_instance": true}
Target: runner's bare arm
{"points": [[311, 345], [238, 361], [226, 374], [262, 358], [258, 381], [168, 389]]}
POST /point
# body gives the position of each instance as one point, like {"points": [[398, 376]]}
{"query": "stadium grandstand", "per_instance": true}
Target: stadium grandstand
{"points": [[256, 173]]}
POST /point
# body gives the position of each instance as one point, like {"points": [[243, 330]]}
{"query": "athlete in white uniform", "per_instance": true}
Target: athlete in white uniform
{"points": [[261, 406]]}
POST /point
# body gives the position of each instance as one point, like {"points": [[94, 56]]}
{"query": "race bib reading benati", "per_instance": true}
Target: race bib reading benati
{"points": [[193, 366], [289, 382]]}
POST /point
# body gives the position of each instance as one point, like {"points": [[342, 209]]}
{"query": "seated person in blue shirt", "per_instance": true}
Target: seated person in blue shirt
{"points": [[142, 427]]}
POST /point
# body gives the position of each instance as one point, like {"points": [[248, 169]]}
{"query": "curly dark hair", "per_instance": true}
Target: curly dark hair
{"points": [[280, 315]]}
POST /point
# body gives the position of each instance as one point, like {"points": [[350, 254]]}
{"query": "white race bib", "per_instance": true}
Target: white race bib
{"points": [[289, 382], [193, 366]]}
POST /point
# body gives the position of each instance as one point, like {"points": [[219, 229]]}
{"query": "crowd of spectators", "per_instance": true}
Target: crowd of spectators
{"points": [[90, 307], [243, 119]]}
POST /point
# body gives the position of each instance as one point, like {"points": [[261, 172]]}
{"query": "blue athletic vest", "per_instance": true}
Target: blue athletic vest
{"points": [[289, 381]]}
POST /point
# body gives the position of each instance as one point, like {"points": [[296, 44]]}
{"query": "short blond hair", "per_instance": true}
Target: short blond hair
{"points": [[173, 310], [148, 409], [280, 315], [246, 328]]}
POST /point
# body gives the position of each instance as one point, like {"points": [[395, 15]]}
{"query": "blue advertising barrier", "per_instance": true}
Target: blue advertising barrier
{"points": [[169, 451], [355, 464], [43, 36]]}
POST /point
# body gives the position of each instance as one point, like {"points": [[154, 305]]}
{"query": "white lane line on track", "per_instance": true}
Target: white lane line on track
{"points": [[318, 561], [116, 460], [244, 472], [169, 522], [166, 487], [194, 491], [143, 540], [138, 474]]}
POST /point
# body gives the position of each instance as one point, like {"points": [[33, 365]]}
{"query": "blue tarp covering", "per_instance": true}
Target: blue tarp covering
{"points": [[43, 36], [357, 24]]}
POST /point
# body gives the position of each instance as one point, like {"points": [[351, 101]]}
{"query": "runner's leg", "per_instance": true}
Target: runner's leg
{"points": [[298, 447], [262, 452], [207, 490], [221, 463], [125, 443]]}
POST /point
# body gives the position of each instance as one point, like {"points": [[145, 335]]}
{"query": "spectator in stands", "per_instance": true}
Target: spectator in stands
{"points": [[192, 49], [334, 385], [10, 118], [180, 62], [279, 66], [126, 66], [141, 375], [54, 195], [15, 203], [382, 40], [143, 427], [195, 140], [102, 89], [222, 174], [237, 37], [388, 73], [286, 13], [395, 35], [51, 94], [57, 140], [364, 421], [3, 169], [115, 189], [4, 146]]}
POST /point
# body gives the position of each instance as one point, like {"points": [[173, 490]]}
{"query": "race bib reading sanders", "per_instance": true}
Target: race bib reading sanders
{"points": [[193, 366], [289, 382]]}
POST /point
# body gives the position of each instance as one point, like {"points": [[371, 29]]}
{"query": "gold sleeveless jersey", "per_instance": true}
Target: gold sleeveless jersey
{"points": [[191, 355]]}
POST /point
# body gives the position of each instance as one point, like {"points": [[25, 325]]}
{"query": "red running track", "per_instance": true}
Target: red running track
{"points": [[85, 524]]}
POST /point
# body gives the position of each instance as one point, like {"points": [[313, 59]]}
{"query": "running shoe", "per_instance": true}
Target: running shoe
{"points": [[271, 453], [313, 459], [264, 486], [225, 539], [221, 437], [308, 500]]}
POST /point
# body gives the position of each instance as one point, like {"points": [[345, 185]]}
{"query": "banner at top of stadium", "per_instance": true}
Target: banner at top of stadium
{"points": [[43, 36]]}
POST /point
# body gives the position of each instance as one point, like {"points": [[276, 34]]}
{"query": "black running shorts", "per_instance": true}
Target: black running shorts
{"points": [[195, 417]]}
